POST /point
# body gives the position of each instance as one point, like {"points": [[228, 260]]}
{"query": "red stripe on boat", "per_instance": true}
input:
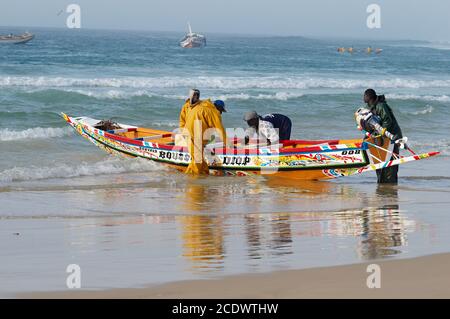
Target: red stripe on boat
{"points": [[434, 153], [123, 139], [306, 142]]}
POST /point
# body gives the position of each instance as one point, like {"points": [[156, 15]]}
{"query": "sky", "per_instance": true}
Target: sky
{"points": [[400, 19]]}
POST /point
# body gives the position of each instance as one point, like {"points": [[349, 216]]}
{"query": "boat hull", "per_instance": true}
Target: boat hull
{"points": [[16, 40], [308, 163], [189, 44], [300, 160]]}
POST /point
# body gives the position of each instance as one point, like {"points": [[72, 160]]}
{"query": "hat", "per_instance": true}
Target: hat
{"points": [[192, 92], [250, 116], [220, 105]]}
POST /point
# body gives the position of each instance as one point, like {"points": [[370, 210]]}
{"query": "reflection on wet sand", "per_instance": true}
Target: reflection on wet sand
{"points": [[270, 232], [301, 186], [281, 238], [211, 233], [203, 241], [253, 235], [203, 235], [380, 231], [383, 228]]}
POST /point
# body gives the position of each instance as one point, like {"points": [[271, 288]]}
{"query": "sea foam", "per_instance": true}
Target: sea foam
{"points": [[428, 109], [33, 133], [111, 165], [126, 93], [441, 145], [431, 98], [218, 82]]}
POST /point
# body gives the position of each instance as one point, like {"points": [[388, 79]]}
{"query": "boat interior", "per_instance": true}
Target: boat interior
{"points": [[167, 140]]}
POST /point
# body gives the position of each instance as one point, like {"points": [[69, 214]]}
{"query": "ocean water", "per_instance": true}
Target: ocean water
{"points": [[52, 179]]}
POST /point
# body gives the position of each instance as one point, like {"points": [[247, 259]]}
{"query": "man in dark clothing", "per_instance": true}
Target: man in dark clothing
{"points": [[266, 125], [379, 107]]}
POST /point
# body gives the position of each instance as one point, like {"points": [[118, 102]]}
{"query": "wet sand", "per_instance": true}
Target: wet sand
{"points": [[421, 277], [214, 232]]}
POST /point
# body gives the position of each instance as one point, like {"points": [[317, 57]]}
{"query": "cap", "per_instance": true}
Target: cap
{"points": [[220, 105], [250, 116], [192, 92]]}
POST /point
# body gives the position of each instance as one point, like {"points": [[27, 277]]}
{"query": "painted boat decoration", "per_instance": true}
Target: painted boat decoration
{"points": [[299, 159], [16, 39]]}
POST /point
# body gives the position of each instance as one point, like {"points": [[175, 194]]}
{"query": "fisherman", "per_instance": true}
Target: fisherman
{"points": [[378, 106], [266, 126], [220, 106], [198, 119]]}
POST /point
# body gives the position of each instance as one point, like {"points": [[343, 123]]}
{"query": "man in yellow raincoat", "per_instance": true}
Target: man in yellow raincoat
{"points": [[204, 116]]}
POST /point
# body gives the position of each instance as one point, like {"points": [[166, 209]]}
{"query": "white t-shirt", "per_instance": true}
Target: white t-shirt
{"points": [[266, 130]]}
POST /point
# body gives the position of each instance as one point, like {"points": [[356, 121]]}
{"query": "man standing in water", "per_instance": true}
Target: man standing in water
{"points": [[378, 106], [198, 119]]}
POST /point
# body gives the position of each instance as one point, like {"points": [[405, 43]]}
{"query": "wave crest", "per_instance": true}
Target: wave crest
{"points": [[430, 98], [7, 135], [217, 82], [442, 145], [428, 109], [126, 94], [109, 166]]}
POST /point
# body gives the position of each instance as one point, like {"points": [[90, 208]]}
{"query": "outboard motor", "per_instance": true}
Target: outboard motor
{"points": [[371, 123]]}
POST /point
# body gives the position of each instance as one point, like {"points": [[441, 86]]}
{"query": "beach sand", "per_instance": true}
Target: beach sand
{"points": [[421, 277]]}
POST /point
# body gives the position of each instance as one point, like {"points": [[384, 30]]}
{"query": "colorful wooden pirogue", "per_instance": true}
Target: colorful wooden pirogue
{"points": [[299, 159]]}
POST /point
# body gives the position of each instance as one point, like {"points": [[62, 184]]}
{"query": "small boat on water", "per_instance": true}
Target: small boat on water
{"points": [[16, 39], [298, 159], [193, 40]]}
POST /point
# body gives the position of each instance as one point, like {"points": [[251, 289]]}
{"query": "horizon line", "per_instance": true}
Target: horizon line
{"points": [[262, 35]]}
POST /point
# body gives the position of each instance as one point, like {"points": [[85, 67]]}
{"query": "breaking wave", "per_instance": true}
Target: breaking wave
{"points": [[431, 98], [428, 109], [114, 94], [165, 124], [109, 166], [33, 133], [123, 94], [281, 96], [438, 45], [217, 82], [442, 145]]}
